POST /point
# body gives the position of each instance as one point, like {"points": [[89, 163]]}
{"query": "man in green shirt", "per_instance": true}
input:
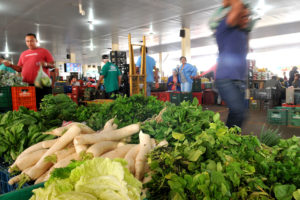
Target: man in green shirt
{"points": [[112, 77], [3, 67]]}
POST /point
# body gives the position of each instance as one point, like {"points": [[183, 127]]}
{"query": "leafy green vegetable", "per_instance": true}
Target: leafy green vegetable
{"points": [[284, 192], [93, 179], [10, 79], [206, 160], [127, 110], [57, 108], [269, 137], [18, 131]]}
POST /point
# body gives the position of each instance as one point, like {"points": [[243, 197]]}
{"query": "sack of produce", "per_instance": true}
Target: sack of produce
{"points": [[42, 79]]}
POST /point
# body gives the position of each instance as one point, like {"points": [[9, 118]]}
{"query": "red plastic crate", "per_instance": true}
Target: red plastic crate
{"points": [[199, 96], [23, 96], [208, 98], [202, 86], [155, 94], [81, 89], [290, 106], [74, 96], [75, 100], [164, 96], [75, 90], [69, 95]]}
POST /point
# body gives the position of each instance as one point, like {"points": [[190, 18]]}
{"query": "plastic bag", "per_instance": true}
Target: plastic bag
{"points": [[42, 79]]}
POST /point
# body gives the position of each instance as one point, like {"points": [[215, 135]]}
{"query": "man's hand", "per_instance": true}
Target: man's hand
{"points": [[156, 85], [7, 63]]}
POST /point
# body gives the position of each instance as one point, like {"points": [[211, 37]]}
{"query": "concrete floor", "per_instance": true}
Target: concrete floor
{"points": [[255, 121]]}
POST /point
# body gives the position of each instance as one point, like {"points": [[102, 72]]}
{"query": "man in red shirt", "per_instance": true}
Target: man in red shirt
{"points": [[29, 64]]}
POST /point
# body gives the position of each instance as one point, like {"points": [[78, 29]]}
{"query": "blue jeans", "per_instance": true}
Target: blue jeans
{"points": [[233, 93], [186, 87], [149, 85]]}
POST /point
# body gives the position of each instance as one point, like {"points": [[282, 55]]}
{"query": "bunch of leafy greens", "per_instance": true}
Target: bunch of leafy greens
{"points": [[57, 108], [218, 163], [18, 131], [99, 178], [83, 113], [188, 119], [10, 79], [127, 110]]}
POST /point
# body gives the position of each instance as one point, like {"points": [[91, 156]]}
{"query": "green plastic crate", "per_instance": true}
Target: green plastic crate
{"points": [[58, 90], [175, 97], [187, 97], [278, 116], [294, 117], [197, 85], [5, 98], [22, 194]]}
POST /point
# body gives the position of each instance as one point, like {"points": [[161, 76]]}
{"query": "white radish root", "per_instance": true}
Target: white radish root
{"points": [[14, 179], [41, 167], [130, 158], [48, 143], [145, 148], [114, 135], [30, 159], [80, 148], [64, 153], [119, 152], [102, 147], [163, 143], [60, 131]]}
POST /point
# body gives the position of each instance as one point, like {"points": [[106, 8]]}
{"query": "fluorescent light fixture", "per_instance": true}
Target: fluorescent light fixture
{"points": [[92, 47], [91, 27], [6, 50], [91, 14]]}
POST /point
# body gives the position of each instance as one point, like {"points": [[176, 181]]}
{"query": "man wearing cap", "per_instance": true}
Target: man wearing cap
{"points": [[112, 77]]}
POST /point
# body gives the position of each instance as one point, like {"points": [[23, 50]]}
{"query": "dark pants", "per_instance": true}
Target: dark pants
{"points": [[233, 93], [40, 93]]}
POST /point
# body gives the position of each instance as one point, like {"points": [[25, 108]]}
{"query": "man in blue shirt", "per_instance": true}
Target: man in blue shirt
{"points": [[232, 40], [150, 66]]}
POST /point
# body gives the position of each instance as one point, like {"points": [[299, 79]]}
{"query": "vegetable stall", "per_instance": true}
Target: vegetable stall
{"points": [[138, 147]]}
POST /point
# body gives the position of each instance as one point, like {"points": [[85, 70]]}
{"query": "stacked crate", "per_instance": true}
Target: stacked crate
{"points": [[23, 96], [5, 99]]}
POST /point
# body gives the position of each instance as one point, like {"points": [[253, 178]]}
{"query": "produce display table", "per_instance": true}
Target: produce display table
{"points": [[99, 101]]}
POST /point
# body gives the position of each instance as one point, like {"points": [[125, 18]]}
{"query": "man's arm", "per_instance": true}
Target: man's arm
{"points": [[119, 79], [99, 81], [14, 67], [235, 12]]}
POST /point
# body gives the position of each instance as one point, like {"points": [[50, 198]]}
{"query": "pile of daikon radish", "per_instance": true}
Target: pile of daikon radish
{"points": [[77, 140]]}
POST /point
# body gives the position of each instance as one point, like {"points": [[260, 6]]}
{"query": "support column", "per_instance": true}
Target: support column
{"points": [[160, 65], [72, 57], [186, 44], [115, 43]]}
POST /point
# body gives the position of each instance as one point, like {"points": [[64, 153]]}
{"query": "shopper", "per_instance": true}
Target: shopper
{"points": [[112, 78], [187, 73], [232, 41], [74, 81], [284, 76], [296, 82], [173, 81], [29, 64], [3, 67], [292, 75], [150, 67]]}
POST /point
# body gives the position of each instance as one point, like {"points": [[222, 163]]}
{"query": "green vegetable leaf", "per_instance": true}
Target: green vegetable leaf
{"points": [[284, 192]]}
